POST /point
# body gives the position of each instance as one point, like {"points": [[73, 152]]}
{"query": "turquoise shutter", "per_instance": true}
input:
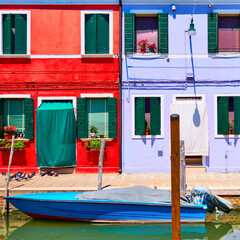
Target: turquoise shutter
{"points": [[112, 117], [29, 118], [236, 115], [90, 33], [20, 33], [7, 33], [155, 116], [129, 33], [222, 115], [1, 117], [140, 116], [82, 131], [163, 33], [102, 33], [212, 33]]}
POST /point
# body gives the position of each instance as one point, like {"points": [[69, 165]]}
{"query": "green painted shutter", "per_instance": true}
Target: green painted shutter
{"points": [[90, 33], [102, 33], [140, 116], [222, 115], [155, 116], [163, 33], [1, 116], [212, 33], [7, 33], [129, 33], [29, 118], [112, 116], [82, 131], [20, 33], [236, 115]]}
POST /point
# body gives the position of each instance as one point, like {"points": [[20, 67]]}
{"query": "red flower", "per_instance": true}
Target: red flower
{"points": [[152, 45], [143, 43]]}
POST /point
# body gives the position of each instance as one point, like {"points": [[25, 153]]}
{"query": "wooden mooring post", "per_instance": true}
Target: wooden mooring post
{"points": [[175, 176], [5, 203], [100, 164]]}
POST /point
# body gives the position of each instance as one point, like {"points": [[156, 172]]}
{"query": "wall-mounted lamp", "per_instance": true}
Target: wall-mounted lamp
{"points": [[210, 5], [173, 8], [191, 30]]}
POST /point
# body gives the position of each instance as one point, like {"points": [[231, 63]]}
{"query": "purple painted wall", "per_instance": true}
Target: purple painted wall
{"points": [[165, 75]]}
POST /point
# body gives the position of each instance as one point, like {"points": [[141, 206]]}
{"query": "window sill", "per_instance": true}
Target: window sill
{"points": [[225, 55], [16, 139], [146, 55], [94, 139], [15, 56], [147, 136], [97, 55], [228, 136]]}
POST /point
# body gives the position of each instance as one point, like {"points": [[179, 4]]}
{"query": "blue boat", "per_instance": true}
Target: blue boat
{"points": [[126, 205]]}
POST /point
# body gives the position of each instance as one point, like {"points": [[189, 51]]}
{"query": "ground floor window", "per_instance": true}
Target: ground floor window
{"points": [[228, 115], [147, 115]]}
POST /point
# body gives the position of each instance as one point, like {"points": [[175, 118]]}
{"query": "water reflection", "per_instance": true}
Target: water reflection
{"points": [[43, 229]]}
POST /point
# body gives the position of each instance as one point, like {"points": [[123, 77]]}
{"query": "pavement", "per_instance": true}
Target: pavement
{"points": [[223, 184]]}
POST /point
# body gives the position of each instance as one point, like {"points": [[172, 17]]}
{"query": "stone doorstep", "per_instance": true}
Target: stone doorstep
{"points": [[195, 169]]}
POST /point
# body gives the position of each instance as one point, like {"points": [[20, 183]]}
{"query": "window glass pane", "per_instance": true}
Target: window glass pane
{"points": [[146, 29], [231, 114], [14, 114], [98, 115], [229, 33], [147, 112]]}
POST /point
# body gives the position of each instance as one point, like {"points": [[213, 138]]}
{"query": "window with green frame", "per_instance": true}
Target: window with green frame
{"points": [[228, 115], [20, 113], [14, 35], [96, 33], [147, 115], [133, 31], [98, 112]]}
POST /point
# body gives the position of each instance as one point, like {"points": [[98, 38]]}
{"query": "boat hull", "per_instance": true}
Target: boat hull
{"points": [[102, 211]]}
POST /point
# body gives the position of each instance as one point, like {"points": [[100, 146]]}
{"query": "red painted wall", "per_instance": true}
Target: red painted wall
{"points": [[55, 30]]}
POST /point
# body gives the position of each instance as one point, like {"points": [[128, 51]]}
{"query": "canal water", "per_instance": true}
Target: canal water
{"points": [[18, 226]]}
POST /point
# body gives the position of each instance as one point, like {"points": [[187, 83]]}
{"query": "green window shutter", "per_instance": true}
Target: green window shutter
{"points": [[236, 115], [129, 33], [212, 33], [163, 33], [102, 33], [155, 116], [20, 33], [1, 117], [82, 131], [140, 116], [7, 33], [112, 117], [91, 33], [222, 115], [29, 117]]}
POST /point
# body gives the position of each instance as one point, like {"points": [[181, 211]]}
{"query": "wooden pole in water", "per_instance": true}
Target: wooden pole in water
{"points": [[175, 176], [5, 203], [100, 164]]}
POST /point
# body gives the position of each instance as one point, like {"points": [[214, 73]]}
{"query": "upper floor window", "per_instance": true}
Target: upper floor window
{"points": [[15, 30], [223, 33], [146, 33], [96, 32]]}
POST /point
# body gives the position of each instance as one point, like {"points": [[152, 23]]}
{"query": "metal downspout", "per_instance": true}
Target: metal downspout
{"points": [[120, 86]]}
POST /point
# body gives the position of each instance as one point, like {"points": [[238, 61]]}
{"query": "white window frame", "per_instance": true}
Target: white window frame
{"points": [[133, 116], [83, 13], [215, 116], [28, 13]]}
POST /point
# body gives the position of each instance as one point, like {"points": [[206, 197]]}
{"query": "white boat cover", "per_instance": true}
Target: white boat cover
{"points": [[131, 194]]}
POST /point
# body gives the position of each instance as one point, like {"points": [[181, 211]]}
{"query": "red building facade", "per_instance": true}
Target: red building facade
{"points": [[60, 53]]}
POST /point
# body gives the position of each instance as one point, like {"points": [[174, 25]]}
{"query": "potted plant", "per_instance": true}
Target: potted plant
{"points": [[9, 131], [19, 145], [101, 135], [95, 145], [147, 130], [151, 47], [93, 131], [2, 143], [230, 129], [143, 45]]}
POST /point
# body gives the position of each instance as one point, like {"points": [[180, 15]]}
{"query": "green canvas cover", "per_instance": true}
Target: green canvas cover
{"points": [[56, 135]]}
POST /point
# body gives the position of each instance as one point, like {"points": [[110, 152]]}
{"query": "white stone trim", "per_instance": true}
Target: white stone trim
{"points": [[188, 95], [97, 95], [9, 96], [28, 13], [133, 96], [83, 13], [215, 114]]}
